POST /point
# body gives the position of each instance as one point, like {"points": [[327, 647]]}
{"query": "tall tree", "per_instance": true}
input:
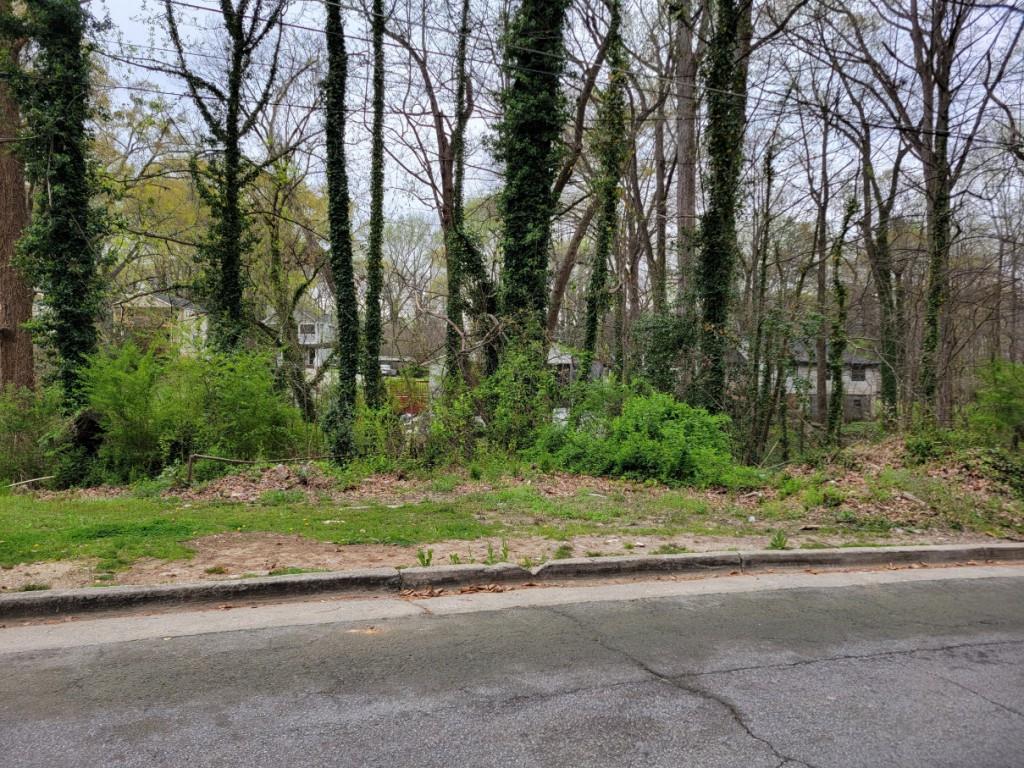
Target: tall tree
{"points": [[58, 249], [937, 96], [342, 409], [372, 382], [688, 57], [837, 336], [229, 117], [610, 151], [16, 358], [529, 129], [455, 236], [726, 77]]}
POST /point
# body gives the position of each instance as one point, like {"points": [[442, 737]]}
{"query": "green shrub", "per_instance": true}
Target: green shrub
{"points": [[120, 384], [517, 399], [1006, 467], [455, 428], [378, 432], [823, 496], [924, 447], [246, 416], [30, 424], [155, 411], [506, 412], [788, 485], [653, 437], [659, 337], [998, 411]]}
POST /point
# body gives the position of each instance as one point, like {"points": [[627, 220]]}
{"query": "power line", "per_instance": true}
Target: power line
{"points": [[703, 88]]}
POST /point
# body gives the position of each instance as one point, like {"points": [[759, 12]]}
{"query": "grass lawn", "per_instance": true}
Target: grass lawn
{"points": [[833, 505], [120, 530]]}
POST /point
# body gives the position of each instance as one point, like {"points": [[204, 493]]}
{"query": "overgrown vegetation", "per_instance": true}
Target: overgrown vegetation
{"points": [[30, 423], [155, 409], [570, 349], [651, 436]]}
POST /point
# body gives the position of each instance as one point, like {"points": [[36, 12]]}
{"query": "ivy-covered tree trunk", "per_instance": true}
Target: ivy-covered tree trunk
{"points": [[940, 218], [610, 149], [341, 415], [529, 133], [16, 355], [455, 237], [58, 250], [372, 382], [837, 336], [221, 181], [726, 90]]}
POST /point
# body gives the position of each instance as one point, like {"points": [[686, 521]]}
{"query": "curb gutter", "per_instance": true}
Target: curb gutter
{"points": [[51, 603]]}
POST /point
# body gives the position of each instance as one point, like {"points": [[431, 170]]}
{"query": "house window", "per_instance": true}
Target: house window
{"points": [[858, 373], [307, 329], [311, 357]]}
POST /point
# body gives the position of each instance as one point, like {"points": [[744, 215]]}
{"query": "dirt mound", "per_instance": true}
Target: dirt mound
{"points": [[248, 487]]}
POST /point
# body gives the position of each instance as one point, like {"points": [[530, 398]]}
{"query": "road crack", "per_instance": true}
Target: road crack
{"points": [[849, 657], [678, 683], [983, 697]]}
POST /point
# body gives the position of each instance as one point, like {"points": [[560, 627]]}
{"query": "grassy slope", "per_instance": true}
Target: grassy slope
{"points": [[843, 501]]}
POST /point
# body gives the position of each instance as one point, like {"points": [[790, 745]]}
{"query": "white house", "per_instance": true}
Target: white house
{"points": [[162, 313], [316, 337], [862, 381]]}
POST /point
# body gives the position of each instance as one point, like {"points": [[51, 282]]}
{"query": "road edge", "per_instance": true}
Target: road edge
{"points": [[52, 603]]}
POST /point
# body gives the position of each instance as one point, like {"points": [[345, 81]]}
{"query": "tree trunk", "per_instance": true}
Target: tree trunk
{"points": [[342, 415], [659, 287], [373, 386], [564, 271], [16, 359], [727, 101], [821, 247], [686, 148]]}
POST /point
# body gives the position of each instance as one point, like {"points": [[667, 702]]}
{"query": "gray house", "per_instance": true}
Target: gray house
{"points": [[862, 381]]}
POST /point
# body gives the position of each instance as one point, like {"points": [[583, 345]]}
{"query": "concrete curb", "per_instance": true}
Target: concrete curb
{"points": [[51, 603], [71, 601], [610, 566]]}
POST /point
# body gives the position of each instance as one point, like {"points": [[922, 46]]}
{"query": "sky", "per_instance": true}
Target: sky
{"points": [[132, 24]]}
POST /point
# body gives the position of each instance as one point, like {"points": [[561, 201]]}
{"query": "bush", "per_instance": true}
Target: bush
{"points": [[659, 338], [378, 432], [120, 385], [998, 410], [925, 446], [653, 437], [455, 428], [507, 411], [30, 425], [157, 410], [516, 400]]}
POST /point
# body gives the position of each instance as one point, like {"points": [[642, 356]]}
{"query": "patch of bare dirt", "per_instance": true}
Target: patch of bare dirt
{"points": [[393, 488], [61, 574], [249, 487], [561, 485], [238, 555]]}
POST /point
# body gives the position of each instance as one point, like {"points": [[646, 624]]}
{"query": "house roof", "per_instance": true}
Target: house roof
{"points": [[163, 298], [851, 356]]}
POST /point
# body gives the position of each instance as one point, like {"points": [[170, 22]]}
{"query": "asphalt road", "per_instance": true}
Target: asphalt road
{"points": [[834, 672]]}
